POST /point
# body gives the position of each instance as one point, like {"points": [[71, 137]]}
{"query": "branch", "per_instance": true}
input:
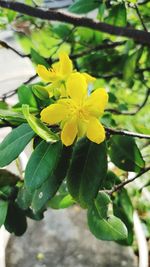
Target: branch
{"points": [[111, 131], [96, 48], [131, 113], [118, 187], [53, 15], [13, 92], [5, 45]]}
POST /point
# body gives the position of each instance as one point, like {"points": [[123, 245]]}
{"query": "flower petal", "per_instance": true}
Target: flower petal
{"points": [[54, 113], [82, 127], [66, 66], [95, 131], [89, 78], [69, 132], [44, 74], [76, 87], [96, 102]]}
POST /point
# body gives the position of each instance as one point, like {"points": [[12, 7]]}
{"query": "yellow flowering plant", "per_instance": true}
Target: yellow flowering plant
{"points": [[69, 119]]}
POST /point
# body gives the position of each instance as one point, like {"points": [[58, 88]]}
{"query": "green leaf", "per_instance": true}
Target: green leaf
{"points": [[122, 207], [7, 178], [24, 198], [101, 11], [82, 6], [52, 184], [14, 143], [125, 154], [39, 127], [117, 15], [87, 170], [42, 164], [3, 211], [104, 226], [26, 96], [8, 114], [61, 201], [37, 58], [40, 92], [15, 220], [130, 65]]}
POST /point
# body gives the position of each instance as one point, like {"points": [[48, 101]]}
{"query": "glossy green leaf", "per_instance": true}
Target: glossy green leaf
{"points": [[39, 127], [14, 143], [52, 184], [8, 114], [24, 198], [42, 164], [3, 211], [87, 170], [125, 154], [101, 11], [104, 226], [26, 96], [82, 6]]}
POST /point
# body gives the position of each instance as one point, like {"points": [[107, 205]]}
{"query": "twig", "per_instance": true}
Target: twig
{"points": [[127, 181], [5, 45], [131, 113], [13, 92], [140, 17], [112, 131], [53, 15], [96, 48]]}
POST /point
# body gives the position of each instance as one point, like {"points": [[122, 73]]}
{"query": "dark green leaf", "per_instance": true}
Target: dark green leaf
{"points": [[52, 184], [14, 143], [15, 220], [7, 178], [102, 225], [125, 154], [42, 164], [24, 198], [82, 6], [39, 127], [87, 170], [3, 211], [37, 58]]}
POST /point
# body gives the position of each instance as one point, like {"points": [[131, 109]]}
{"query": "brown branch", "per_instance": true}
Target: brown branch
{"points": [[7, 46], [118, 187], [53, 15], [111, 131]]}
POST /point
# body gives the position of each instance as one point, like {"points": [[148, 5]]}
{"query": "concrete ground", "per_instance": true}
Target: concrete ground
{"points": [[62, 239]]}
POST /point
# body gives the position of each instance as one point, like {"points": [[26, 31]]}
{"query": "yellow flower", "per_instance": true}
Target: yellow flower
{"points": [[58, 74], [79, 114]]}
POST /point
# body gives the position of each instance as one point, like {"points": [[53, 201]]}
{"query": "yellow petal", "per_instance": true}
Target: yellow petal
{"points": [[76, 87], [95, 131], [89, 78], [66, 66], [54, 113], [43, 73], [69, 132], [97, 102]]}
